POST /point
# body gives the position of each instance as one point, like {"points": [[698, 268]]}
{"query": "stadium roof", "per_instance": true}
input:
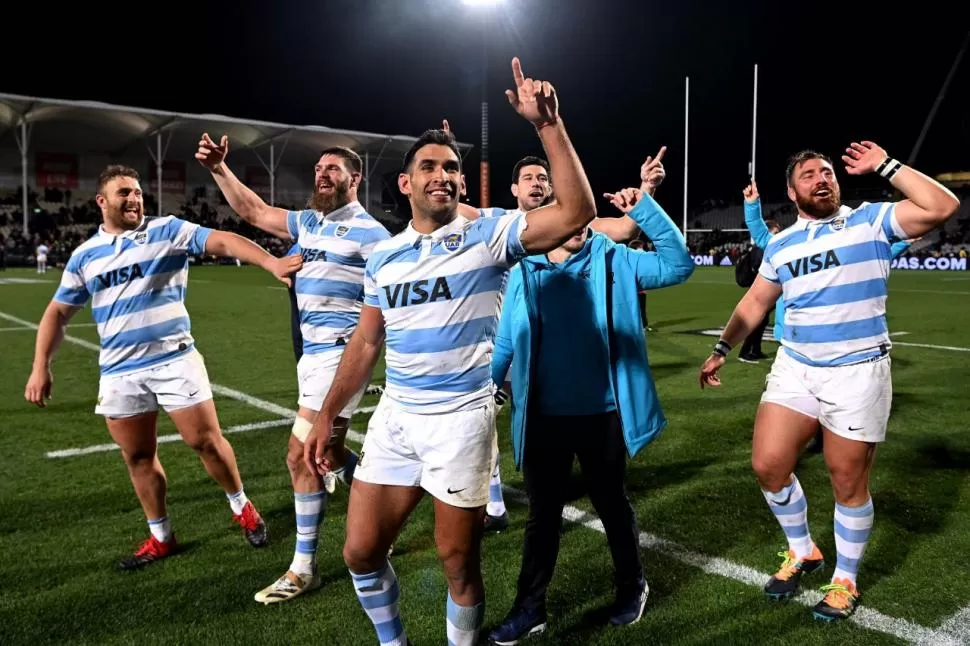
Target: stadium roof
{"points": [[95, 127]]}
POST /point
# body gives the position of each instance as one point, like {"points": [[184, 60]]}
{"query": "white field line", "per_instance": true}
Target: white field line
{"points": [[174, 437], [864, 616], [21, 328], [951, 348], [225, 391], [958, 625]]}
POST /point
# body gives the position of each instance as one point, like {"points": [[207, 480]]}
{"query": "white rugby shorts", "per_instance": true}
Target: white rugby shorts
{"points": [[315, 373], [852, 401], [178, 384], [449, 455]]}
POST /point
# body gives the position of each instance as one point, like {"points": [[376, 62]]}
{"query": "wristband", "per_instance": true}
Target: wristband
{"points": [[552, 122], [889, 167], [721, 348]]}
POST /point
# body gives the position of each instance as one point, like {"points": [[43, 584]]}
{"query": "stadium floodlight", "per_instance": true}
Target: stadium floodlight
{"points": [[481, 3]]}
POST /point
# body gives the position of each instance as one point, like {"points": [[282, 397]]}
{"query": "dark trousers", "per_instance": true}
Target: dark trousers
{"points": [[752, 344], [551, 444]]}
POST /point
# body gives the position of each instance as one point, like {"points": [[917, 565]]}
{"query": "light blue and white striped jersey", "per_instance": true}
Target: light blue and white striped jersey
{"points": [[441, 296], [330, 286], [833, 275], [136, 282], [492, 212]]}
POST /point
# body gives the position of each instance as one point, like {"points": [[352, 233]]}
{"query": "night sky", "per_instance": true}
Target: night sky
{"points": [[830, 72]]}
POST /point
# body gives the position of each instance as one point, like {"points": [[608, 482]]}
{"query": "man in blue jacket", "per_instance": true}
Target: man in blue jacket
{"points": [[581, 387]]}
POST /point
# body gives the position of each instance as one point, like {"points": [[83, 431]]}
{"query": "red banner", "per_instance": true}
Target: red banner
{"points": [[173, 177], [257, 179], [56, 170]]}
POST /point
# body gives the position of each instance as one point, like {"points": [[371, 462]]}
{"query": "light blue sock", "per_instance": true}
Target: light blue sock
{"points": [[378, 593], [310, 510], [853, 525], [791, 510], [464, 623]]}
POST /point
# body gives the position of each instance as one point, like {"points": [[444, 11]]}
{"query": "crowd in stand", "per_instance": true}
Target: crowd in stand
{"points": [[62, 221]]}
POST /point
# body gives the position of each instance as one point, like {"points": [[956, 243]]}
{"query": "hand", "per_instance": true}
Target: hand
{"points": [[39, 386], [209, 154], [446, 127], [751, 192], [316, 446], [709, 370], [626, 199], [535, 100], [652, 172], [863, 158], [285, 267]]}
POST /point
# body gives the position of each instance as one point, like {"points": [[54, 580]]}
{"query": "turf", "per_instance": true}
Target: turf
{"points": [[65, 522]]}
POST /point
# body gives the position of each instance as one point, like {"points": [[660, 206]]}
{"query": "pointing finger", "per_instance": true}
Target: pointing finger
{"points": [[660, 155], [517, 72]]}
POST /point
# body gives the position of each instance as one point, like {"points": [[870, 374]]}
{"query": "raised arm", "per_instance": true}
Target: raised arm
{"points": [[243, 200], [753, 218], [624, 228], [671, 263], [231, 245], [549, 226], [928, 203]]}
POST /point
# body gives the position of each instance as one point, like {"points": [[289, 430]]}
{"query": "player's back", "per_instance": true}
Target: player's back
{"points": [[136, 282], [330, 286], [440, 295], [833, 274]]}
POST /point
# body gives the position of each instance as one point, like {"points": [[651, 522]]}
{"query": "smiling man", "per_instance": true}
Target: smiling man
{"points": [[335, 237], [135, 272], [433, 291], [833, 370]]}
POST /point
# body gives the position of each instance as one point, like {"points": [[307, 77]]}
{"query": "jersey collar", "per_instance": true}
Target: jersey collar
{"points": [[345, 210], [804, 223], [455, 226], [127, 234]]}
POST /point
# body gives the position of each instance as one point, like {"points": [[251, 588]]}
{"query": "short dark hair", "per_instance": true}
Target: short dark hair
{"points": [[531, 160], [353, 159], [428, 138], [800, 158], [112, 171]]}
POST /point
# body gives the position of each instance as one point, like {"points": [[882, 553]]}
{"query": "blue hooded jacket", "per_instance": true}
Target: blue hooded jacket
{"points": [[617, 274]]}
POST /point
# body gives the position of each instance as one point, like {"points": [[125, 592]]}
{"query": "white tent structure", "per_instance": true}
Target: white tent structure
{"points": [[116, 131]]}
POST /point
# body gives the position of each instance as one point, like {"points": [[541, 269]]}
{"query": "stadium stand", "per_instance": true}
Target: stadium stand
{"points": [[52, 150]]}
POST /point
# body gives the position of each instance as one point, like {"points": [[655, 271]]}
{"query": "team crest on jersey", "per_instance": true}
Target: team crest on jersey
{"points": [[141, 237], [838, 223], [453, 241], [341, 230]]}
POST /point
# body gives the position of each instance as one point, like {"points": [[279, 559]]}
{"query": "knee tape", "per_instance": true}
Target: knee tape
{"points": [[301, 428]]}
